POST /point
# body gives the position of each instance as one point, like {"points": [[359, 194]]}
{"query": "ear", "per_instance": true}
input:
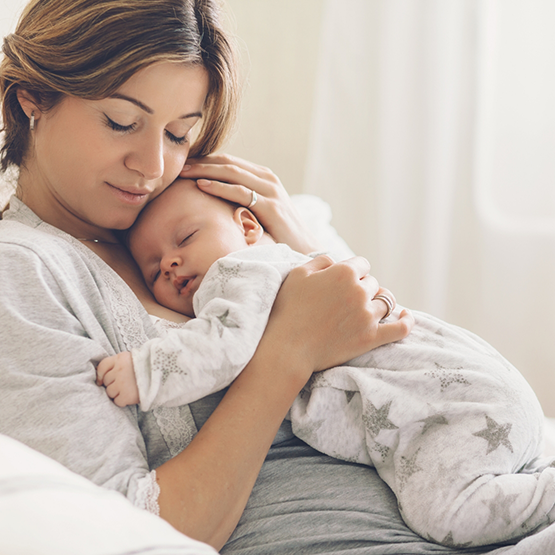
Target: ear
{"points": [[28, 103], [249, 225]]}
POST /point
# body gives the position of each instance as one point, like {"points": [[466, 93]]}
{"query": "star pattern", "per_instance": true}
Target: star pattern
{"points": [[166, 364], [383, 450], [433, 420], [376, 420], [349, 395], [407, 468], [318, 379], [225, 274], [495, 434], [263, 294], [448, 541], [226, 322], [446, 376], [499, 506]]}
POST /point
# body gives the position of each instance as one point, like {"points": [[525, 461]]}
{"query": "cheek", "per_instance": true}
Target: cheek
{"points": [[174, 160], [72, 154]]}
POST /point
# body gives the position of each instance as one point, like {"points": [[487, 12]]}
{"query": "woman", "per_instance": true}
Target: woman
{"points": [[105, 103]]}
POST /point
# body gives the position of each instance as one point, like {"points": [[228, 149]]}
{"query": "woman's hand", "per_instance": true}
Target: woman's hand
{"points": [[234, 179], [326, 313]]}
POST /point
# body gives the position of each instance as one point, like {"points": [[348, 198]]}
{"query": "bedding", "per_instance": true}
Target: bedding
{"points": [[45, 509]]}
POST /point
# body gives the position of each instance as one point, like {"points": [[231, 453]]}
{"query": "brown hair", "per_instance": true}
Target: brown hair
{"points": [[89, 48]]}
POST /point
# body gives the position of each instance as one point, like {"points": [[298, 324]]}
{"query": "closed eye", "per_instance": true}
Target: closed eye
{"points": [[118, 127], [128, 128], [176, 140], [187, 238]]}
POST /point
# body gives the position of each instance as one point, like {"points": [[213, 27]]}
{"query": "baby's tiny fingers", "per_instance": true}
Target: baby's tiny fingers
{"points": [[101, 371]]}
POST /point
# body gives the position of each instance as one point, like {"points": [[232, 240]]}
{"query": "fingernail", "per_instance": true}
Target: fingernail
{"points": [[203, 182], [185, 168]]}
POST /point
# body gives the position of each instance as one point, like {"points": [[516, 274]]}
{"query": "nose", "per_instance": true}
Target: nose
{"points": [[169, 263], [147, 156]]}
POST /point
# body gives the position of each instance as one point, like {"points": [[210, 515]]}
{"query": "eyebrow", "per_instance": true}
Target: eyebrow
{"points": [[148, 110]]}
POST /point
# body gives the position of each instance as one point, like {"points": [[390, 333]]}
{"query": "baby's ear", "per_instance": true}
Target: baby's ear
{"points": [[249, 225]]}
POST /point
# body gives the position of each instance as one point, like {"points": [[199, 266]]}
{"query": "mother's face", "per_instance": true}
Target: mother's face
{"points": [[97, 163]]}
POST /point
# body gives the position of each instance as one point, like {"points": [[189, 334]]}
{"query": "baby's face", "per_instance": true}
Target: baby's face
{"points": [[178, 237]]}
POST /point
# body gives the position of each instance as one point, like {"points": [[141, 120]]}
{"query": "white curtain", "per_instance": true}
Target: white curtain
{"points": [[433, 138]]}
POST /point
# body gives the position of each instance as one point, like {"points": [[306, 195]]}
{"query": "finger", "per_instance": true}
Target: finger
{"points": [[390, 332], [233, 176], [387, 299], [229, 173], [112, 390], [228, 159], [101, 370], [109, 378], [236, 193], [120, 400], [360, 265], [318, 263]]}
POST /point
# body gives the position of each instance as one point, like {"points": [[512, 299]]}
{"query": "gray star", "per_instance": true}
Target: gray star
{"points": [[495, 434], [431, 421], [225, 274], [499, 506], [407, 468], [265, 299], [224, 322], [223, 318], [350, 395], [447, 377], [383, 450], [448, 541], [166, 364], [376, 420]]}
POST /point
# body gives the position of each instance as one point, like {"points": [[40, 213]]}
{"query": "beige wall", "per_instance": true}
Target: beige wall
{"points": [[278, 40]]}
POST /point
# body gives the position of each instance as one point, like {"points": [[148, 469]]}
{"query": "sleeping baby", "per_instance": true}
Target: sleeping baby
{"points": [[449, 424]]}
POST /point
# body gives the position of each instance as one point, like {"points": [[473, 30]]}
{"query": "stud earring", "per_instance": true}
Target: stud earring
{"points": [[32, 121]]}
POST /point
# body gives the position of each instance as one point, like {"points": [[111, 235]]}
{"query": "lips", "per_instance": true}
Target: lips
{"points": [[130, 195], [183, 284]]}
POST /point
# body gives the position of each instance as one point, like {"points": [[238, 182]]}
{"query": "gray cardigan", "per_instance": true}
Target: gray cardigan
{"points": [[62, 310]]}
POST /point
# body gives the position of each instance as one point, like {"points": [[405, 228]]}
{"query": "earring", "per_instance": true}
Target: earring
{"points": [[32, 121]]}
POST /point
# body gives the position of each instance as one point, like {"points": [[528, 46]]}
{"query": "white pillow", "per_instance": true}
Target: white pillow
{"points": [[316, 213], [45, 509]]}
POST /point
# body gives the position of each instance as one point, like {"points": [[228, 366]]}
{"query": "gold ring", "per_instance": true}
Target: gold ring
{"points": [[254, 199], [388, 302]]}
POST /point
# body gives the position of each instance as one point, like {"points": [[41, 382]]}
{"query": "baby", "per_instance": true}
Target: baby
{"points": [[451, 426]]}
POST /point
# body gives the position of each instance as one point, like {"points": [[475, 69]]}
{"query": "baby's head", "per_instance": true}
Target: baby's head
{"points": [[181, 233]]}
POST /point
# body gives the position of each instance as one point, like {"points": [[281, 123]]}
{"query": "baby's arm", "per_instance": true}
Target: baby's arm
{"points": [[116, 374], [207, 353]]}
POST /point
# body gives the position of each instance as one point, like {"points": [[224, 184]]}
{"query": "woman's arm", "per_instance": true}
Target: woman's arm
{"points": [[323, 315], [234, 179]]}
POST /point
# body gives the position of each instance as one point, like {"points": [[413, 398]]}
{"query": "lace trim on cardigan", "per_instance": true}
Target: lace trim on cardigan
{"points": [[176, 424], [148, 492]]}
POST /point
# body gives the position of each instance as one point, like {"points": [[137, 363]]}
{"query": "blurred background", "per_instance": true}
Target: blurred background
{"points": [[429, 127]]}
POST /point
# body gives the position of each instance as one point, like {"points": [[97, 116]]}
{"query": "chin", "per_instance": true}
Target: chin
{"points": [[124, 222]]}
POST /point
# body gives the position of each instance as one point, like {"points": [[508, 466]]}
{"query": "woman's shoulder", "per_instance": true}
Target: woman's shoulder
{"points": [[20, 227], [30, 247]]}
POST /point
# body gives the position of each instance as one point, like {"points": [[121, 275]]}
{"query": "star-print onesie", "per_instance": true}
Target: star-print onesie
{"points": [[451, 426]]}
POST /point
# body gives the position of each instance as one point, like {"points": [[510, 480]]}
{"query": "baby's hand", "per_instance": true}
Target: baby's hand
{"points": [[116, 374]]}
